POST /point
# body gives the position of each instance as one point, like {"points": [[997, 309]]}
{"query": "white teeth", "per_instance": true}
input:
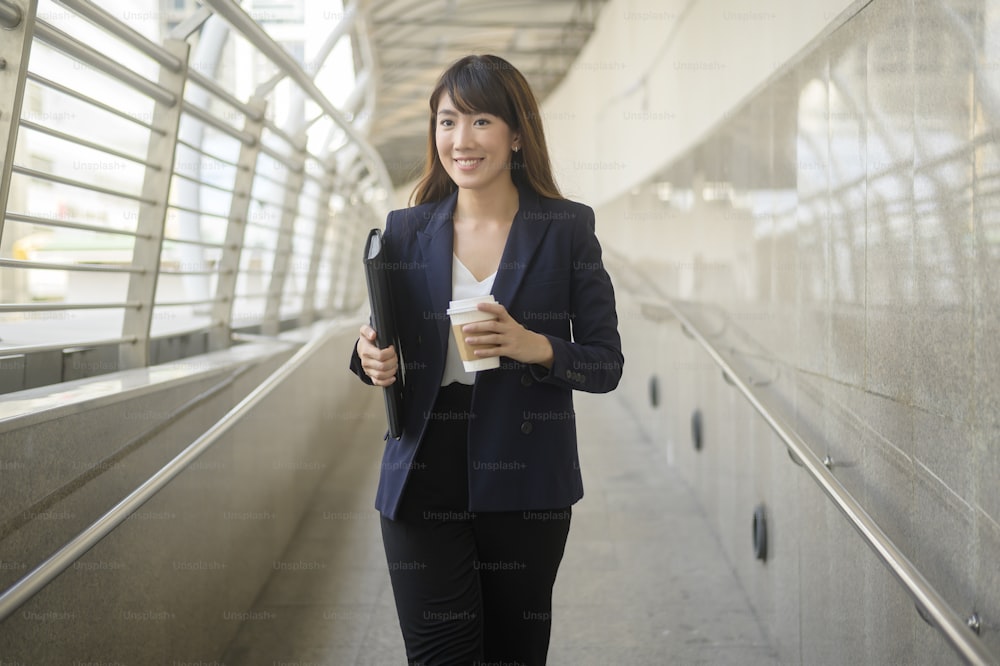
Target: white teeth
{"points": [[467, 162]]}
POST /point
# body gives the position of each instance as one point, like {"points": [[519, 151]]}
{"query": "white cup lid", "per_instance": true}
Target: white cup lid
{"points": [[468, 304]]}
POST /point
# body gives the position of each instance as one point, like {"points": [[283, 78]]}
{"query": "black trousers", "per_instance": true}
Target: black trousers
{"points": [[470, 588]]}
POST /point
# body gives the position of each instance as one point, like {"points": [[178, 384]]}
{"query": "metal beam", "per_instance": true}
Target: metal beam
{"points": [[91, 56], [252, 30], [126, 33], [220, 334], [483, 25], [310, 312], [152, 216], [11, 15], [466, 46], [284, 250], [18, 20]]}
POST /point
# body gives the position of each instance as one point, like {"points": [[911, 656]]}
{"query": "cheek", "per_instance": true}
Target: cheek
{"points": [[442, 143]]}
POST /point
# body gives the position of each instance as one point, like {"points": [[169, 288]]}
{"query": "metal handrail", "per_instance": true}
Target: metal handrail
{"points": [[202, 182], [938, 612], [66, 224], [179, 304], [168, 271], [280, 157], [44, 129], [174, 89], [191, 241], [212, 86], [210, 155], [206, 117], [112, 25], [86, 99], [52, 266], [10, 15], [72, 182], [62, 346], [75, 48], [60, 307], [197, 211], [32, 582]]}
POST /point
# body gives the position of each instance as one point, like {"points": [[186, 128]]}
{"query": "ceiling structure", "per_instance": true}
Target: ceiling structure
{"points": [[415, 40]]}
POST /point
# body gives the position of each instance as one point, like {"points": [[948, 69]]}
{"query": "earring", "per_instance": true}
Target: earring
{"points": [[517, 148]]}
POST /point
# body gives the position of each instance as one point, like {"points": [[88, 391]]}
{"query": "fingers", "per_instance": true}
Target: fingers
{"points": [[493, 308], [382, 372], [489, 337], [379, 364]]}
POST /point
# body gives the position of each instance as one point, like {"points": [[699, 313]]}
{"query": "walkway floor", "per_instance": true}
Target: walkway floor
{"points": [[643, 580]]}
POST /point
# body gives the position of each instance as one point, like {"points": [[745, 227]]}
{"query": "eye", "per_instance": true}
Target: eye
{"points": [[482, 122], [446, 122]]}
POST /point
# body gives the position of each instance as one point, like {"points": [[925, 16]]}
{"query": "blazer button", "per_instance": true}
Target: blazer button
{"points": [[526, 379], [526, 427]]}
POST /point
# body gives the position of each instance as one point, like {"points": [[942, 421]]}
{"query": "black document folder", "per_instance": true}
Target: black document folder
{"points": [[380, 299]]}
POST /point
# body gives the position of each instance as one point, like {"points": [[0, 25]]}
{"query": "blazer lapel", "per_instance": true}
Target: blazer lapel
{"points": [[526, 233], [437, 246], [437, 243]]}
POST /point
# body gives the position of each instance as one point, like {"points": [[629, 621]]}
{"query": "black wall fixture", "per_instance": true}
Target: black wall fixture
{"points": [[759, 533], [654, 391], [696, 429]]}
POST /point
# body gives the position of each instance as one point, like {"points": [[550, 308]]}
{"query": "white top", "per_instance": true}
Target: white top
{"points": [[463, 285]]}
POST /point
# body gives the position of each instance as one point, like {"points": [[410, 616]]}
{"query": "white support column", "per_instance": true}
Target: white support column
{"points": [[310, 312], [345, 224], [17, 22], [290, 210], [219, 336], [161, 151], [351, 284]]}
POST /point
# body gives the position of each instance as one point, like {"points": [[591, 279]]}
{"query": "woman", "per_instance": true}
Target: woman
{"points": [[475, 496]]}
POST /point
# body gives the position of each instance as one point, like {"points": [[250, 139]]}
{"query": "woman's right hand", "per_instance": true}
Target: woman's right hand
{"points": [[379, 364]]}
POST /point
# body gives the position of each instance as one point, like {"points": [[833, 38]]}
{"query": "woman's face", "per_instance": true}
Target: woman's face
{"points": [[475, 149]]}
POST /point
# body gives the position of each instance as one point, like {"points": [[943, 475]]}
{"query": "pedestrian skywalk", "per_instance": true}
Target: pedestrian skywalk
{"points": [[644, 579]]}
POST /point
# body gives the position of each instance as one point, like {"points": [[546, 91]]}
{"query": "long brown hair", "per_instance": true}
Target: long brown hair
{"points": [[490, 84]]}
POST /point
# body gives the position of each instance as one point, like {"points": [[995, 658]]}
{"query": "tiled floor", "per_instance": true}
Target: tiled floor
{"points": [[643, 580]]}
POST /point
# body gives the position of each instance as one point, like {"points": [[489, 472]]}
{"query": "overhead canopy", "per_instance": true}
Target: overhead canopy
{"points": [[415, 40]]}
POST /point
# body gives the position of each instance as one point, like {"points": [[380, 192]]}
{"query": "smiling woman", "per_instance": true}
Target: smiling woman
{"points": [[478, 489], [488, 86]]}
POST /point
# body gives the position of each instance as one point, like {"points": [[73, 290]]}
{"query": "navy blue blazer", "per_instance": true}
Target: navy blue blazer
{"points": [[522, 429]]}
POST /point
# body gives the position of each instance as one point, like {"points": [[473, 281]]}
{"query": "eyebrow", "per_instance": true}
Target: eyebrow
{"points": [[447, 112]]}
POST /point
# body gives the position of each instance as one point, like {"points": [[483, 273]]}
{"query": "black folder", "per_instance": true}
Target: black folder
{"points": [[380, 298]]}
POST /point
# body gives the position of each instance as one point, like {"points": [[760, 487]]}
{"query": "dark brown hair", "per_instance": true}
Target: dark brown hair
{"points": [[490, 84]]}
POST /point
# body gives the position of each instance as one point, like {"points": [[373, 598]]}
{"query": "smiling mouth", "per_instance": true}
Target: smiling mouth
{"points": [[468, 163]]}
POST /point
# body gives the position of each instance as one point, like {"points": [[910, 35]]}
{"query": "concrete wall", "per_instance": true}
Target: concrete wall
{"points": [[173, 583], [816, 182]]}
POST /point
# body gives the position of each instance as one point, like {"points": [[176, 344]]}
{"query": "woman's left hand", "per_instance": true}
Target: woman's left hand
{"points": [[508, 337]]}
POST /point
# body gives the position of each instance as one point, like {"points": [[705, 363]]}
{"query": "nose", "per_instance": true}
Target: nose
{"points": [[463, 135]]}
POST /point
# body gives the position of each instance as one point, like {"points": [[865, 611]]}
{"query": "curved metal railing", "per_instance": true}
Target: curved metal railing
{"points": [[34, 581], [932, 606], [199, 210]]}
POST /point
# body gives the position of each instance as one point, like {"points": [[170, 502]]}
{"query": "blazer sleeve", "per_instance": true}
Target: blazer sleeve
{"points": [[355, 365], [592, 361]]}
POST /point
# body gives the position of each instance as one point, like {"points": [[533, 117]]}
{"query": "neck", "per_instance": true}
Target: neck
{"points": [[497, 204]]}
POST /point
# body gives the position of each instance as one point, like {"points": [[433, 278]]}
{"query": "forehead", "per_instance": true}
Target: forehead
{"points": [[447, 105]]}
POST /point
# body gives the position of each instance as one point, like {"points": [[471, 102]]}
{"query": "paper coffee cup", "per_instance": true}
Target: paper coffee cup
{"points": [[464, 312]]}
